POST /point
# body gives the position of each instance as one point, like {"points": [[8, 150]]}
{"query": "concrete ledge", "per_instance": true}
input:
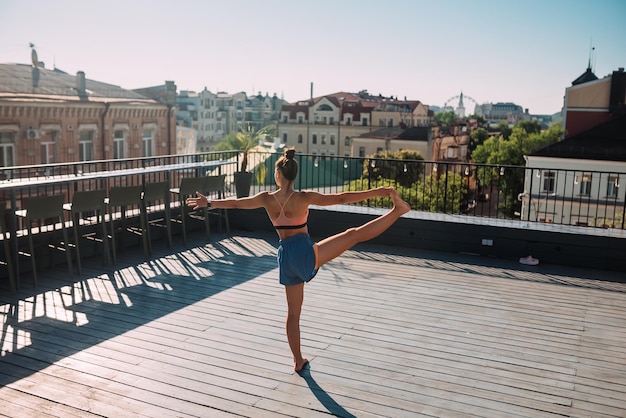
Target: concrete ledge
{"points": [[551, 244]]}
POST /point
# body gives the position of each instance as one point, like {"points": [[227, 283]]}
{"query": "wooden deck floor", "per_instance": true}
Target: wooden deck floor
{"points": [[199, 332]]}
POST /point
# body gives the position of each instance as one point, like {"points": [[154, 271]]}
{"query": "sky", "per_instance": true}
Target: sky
{"points": [[525, 52]]}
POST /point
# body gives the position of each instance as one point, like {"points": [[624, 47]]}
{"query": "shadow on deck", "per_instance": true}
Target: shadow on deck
{"points": [[199, 331]]}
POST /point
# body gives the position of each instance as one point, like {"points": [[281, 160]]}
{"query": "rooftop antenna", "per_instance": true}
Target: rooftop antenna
{"points": [[592, 48]]}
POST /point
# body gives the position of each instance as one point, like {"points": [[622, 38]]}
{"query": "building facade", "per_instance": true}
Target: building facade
{"points": [[587, 169], [222, 113], [48, 116], [590, 101], [328, 124]]}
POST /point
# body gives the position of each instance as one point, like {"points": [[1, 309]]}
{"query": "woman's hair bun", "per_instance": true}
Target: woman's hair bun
{"points": [[290, 153]]}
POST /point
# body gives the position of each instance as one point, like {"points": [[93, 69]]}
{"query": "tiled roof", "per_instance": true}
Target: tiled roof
{"points": [[606, 141], [410, 134], [16, 81]]}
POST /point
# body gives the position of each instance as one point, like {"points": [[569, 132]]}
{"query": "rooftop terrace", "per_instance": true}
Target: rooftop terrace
{"points": [[198, 331]]}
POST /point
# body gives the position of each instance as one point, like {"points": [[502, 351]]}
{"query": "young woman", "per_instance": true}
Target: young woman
{"points": [[299, 258]]}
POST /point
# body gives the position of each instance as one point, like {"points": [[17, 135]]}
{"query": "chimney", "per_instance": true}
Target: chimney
{"points": [[80, 82], [35, 77]]}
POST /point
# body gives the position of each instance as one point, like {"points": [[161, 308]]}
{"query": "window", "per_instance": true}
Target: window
{"points": [[549, 181], [148, 143], [365, 121], [7, 149], [285, 138], [118, 144], [85, 145], [323, 139], [362, 152], [48, 147], [299, 138], [451, 152], [346, 141], [332, 140], [612, 186], [585, 185], [314, 138]]}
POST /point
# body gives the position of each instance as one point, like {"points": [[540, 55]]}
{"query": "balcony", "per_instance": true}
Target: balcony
{"points": [[459, 204], [198, 330]]}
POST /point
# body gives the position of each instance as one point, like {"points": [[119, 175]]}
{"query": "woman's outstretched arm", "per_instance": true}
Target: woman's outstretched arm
{"points": [[252, 202], [320, 199]]}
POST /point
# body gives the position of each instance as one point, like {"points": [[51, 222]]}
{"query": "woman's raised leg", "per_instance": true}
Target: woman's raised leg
{"points": [[333, 246], [295, 297]]}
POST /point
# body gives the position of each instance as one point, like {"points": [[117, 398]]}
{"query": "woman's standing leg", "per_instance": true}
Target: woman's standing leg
{"points": [[295, 297], [333, 246]]}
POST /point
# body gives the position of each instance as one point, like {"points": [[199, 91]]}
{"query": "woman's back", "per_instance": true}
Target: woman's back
{"points": [[287, 211]]}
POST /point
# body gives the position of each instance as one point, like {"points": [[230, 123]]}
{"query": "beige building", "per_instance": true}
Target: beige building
{"points": [[327, 125], [393, 139], [48, 116]]}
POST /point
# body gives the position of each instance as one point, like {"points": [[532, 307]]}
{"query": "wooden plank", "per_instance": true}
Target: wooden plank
{"points": [[199, 331]]}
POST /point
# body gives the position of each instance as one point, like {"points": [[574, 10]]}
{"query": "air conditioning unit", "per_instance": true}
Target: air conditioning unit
{"points": [[32, 133]]}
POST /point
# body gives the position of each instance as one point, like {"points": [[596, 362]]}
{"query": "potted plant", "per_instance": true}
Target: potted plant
{"points": [[246, 140]]}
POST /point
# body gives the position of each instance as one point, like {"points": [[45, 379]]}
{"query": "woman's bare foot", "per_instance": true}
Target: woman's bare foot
{"points": [[299, 365], [398, 203]]}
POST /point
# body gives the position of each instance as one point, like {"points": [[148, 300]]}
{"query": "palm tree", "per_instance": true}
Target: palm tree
{"points": [[248, 138], [245, 141]]}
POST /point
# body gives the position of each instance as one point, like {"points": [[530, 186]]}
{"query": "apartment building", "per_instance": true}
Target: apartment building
{"points": [[588, 167], [48, 116], [590, 101], [507, 112], [220, 113], [327, 125], [187, 105]]}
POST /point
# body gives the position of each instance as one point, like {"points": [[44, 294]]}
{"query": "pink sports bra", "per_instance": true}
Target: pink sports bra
{"points": [[283, 222]]}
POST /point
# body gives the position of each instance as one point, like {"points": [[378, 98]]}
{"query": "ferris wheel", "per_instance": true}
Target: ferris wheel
{"points": [[453, 101]]}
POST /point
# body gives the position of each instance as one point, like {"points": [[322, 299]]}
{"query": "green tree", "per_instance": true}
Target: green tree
{"points": [[477, 138], [229, 143], [479, 119], [530, 126], [441, 193], [399, 166], [502, 152], [504, 129], [244, 141], [446, 118]]}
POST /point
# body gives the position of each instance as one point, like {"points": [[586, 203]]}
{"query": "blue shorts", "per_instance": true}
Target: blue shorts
{"points": [[296, 260]]}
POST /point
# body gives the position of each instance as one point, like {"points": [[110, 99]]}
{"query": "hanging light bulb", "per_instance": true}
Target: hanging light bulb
{"points": [[373, 163], [467, 171], [405, 169], [315, 162], [345, 163], [435, 167], [576, 180], [501, 171]]}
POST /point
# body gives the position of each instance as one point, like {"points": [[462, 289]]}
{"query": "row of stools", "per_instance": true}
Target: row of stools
{"points": [[91, 220]]}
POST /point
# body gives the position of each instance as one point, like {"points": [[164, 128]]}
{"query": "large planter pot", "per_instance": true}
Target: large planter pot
{"points": [[243, 181]]}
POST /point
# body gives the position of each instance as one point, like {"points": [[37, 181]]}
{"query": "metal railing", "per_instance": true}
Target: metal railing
{"points": [[559, 196], [568, 197]]}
